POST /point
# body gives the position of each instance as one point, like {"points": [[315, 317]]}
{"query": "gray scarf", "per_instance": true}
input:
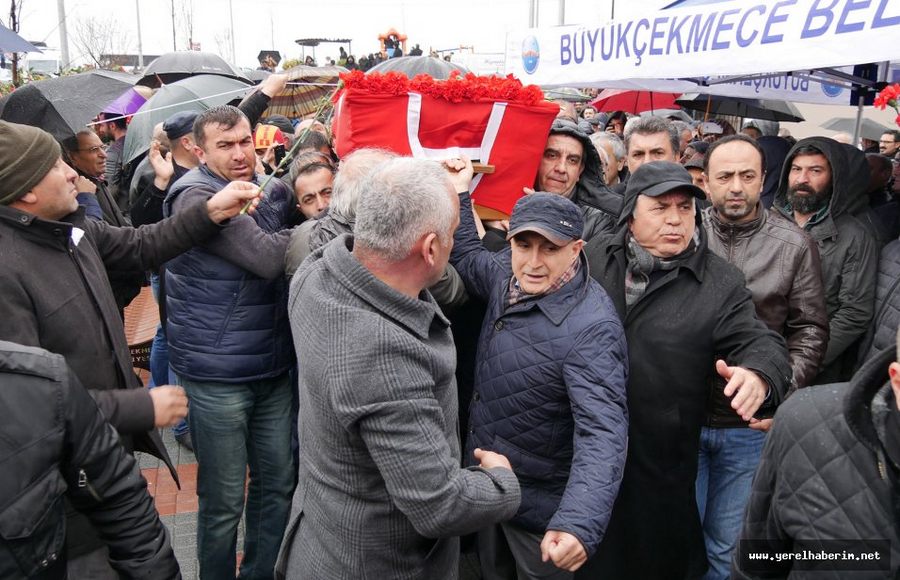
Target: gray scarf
{"points": [[641, 264]]}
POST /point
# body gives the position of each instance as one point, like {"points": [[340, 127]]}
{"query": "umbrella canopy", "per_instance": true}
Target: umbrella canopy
{"points": [[868, 130], [65, 105], [674, 114], [12, 42], [174, 66], [634, 102], [196, 93], [768, 110], [255, 76], [566, 94], [306, 87], [413, 65], [129, 102]]}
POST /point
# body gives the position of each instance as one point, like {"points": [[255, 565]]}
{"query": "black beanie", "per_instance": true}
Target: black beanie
{"points": [[27, 154]]}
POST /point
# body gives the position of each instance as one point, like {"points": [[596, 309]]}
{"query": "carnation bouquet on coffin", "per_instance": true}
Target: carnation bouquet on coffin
{"points": [[492, 120]]}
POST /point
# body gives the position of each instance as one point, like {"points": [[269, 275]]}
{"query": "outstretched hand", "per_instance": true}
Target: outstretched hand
{"points": [[228, 202], [748, 389]]}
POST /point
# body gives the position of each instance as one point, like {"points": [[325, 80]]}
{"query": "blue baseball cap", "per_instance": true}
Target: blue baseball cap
{"points": [[548, 214]]}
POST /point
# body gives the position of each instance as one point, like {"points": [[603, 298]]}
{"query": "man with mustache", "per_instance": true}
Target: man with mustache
{"points": [[688, 320], [570, 167], [815, 192], [789, 299], [230, 347]]}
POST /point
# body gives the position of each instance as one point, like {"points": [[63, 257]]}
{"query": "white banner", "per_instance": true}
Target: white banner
{"points": [[715, 39]]}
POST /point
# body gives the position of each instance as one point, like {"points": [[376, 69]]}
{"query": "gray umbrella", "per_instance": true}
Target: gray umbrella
{"points": [[174, 66], [869, 129], [12, 42], [674, 114], [768, 110], [568, 94], [196, 93], [414, 65]]}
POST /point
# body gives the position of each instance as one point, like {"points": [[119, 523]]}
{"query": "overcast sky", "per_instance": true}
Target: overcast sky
{"points": [[276, 24]]}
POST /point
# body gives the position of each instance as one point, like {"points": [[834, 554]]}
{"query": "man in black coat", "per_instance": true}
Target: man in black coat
{"points": [[688, 317], [67, 449], [816, 193], [829, 482], [56, 294]]}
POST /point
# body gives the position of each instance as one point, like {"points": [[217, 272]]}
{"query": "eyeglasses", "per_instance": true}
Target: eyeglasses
{"points": [[93, 150]]}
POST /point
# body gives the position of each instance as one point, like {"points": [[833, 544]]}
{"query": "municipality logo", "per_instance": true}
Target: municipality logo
{"points": [[531, 54], [832, 90]]}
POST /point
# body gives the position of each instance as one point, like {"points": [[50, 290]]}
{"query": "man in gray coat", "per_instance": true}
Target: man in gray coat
{"points": [[380, 493]]}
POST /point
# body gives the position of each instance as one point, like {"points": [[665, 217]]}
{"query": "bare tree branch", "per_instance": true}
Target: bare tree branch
{"points": [[97, 38]]}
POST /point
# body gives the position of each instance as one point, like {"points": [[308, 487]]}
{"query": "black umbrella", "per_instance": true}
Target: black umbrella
{"points": [[196, 93], [768, 110], [414, 65], [64, 106], [174, 66]]}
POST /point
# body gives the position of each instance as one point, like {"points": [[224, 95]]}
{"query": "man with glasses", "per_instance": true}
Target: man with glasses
{"points": [[86, 154], [889, 143]]}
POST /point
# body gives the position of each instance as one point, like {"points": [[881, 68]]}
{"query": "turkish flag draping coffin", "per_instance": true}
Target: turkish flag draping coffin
{"points": [[510, 136]]}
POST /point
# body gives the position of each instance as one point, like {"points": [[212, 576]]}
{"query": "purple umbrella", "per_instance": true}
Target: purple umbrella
{"points": [[129, 102]]}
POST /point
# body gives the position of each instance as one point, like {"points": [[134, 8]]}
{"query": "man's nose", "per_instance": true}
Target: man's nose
{"points": [[673, 216]]}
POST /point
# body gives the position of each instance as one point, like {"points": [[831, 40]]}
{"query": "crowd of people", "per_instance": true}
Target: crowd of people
{"points": [[677, 358], [364, 62]]}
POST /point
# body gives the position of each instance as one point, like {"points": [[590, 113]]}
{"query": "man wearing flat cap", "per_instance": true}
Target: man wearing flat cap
{"points": [[57, 296], [148, 209], [549, 392], [689, 320], [167, 168]]}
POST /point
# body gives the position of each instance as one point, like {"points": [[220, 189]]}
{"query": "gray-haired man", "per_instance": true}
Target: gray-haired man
{"points": [[380, 491]]}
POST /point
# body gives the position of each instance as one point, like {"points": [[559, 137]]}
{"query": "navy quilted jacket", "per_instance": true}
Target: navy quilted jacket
{"points": [[226, 300], [549, 391]]}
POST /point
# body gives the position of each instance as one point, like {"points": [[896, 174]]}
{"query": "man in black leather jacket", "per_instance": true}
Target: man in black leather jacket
{"points": [[67, 449]]}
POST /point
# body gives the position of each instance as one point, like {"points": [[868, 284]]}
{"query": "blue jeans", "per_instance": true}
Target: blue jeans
{"points": [[727, 462], [160, 373], [233, 426]]}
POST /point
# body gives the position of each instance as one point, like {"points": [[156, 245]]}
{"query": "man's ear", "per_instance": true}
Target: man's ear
{"points": [[430, 243], [200, 154], [894, 373], [29, 198]]}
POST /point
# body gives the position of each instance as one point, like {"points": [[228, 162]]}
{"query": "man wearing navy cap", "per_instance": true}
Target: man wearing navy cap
{"points": [[689, 319], [167, 168], [549, 388], [147, 209]]}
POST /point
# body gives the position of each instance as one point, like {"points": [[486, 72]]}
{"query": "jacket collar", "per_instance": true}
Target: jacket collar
{"points": [[558, 305], [417, 315], [45, 229], [742, 230]]}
